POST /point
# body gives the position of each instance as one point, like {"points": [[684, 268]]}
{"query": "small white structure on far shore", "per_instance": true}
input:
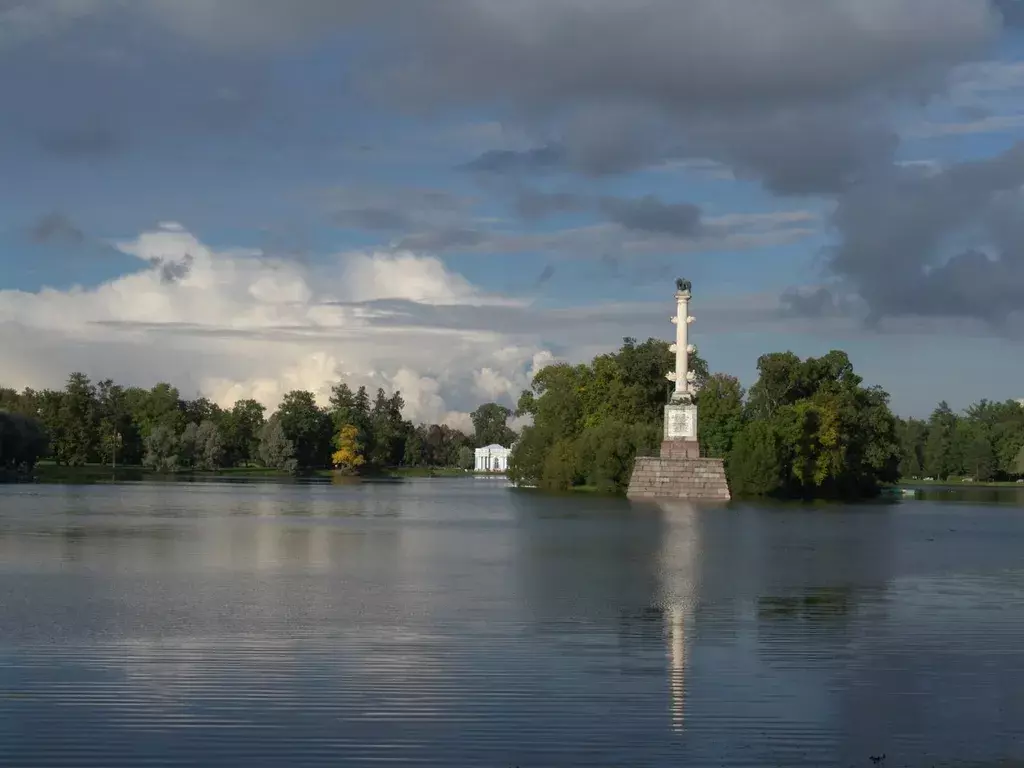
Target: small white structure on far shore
{"points": [[492, 458]]}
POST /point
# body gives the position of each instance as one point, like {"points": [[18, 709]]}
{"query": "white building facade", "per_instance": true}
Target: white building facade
{"points": [[492, 458]]}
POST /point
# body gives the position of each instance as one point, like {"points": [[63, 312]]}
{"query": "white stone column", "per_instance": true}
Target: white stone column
{"points": [[682, 325], [682, 375]]}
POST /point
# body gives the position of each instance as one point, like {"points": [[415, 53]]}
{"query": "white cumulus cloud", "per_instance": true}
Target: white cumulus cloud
{"points": [[234, 323]]}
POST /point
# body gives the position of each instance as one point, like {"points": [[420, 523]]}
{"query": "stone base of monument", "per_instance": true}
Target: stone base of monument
{"points": [[679, 472], [661, 477]]}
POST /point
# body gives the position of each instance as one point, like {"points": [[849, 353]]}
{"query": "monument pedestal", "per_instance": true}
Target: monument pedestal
{"points": [[679, 472]]}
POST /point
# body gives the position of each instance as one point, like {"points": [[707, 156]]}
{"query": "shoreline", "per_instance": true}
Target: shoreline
{"points": [[101, 473]]}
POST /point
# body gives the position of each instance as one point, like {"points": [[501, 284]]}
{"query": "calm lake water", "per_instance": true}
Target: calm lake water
{"points": [[460, 623]]}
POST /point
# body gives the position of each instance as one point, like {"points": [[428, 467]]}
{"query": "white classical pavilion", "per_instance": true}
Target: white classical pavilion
{"points": [[492, 458]]}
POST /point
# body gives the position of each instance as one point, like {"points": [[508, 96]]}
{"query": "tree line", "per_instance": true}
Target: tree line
{"points": [[106, 423], [806, 428], [984, 443]]}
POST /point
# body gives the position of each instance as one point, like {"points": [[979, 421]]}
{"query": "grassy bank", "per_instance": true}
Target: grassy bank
{"points": [[50, 472]]}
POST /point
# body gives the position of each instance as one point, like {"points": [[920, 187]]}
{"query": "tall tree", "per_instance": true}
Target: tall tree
{"points": [[276, 450], [116, 427], [209, 447], [913, 434], [720, 405], [161, 449], [348, 455], [188, 445], [755, 465], [490, 425], [201, 409], [240, 430], [157, 407], [307, 427], [940, 458], [77, 437], [388, 430], [778, 384], [22, 442]]}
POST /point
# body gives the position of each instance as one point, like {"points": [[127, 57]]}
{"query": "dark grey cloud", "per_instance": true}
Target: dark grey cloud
{"points": [[1012, 12], [442, 240], [778, 91], [56, 228], [544, 158], [606, 86], [397, 209], [171, 271], [700, 54], [644, 214], [532, 204], [649, 214], [947, 243], [805, 150], [380, 219], [253, 25], [815, 302]]}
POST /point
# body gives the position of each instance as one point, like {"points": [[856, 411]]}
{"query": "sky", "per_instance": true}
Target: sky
{"points": [[244, 197]]}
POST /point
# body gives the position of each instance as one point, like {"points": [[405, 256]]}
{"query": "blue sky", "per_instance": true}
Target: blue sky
{"points": [[244, 198]]}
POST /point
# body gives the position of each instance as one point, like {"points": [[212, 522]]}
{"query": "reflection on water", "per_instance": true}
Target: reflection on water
{"points": [[822, 603], [453, 623]]}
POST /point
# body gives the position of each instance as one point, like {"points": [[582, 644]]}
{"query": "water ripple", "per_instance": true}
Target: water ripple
{"points": [[449, 624]]}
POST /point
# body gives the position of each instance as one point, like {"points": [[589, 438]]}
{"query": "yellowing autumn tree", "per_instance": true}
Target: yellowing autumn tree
{"points": [[348, 455]]}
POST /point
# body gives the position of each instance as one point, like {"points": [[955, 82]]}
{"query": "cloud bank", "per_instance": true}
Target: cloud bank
{"points": [[234, 324]]}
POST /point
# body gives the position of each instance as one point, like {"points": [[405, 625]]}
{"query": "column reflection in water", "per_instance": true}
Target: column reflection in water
{"points": [[678, 570]]}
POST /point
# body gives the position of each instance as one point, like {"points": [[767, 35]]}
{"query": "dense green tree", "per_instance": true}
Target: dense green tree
{"points": [[981, 443], [778, 384], [161, 446], [561, 470], [76, 439], [240, 431], [912, 435], [23, 441], [466, 458], [720, 404], [209, 447], [276, 451], [755, 465], [416, 449], [1003, 426], [119, 438], [940, 454], [831, 436], [49, 410], [308, 427], [388, 431], [490, 425], [157, 407], [187, 445], [199, 410], [978, 455], [1017, 466], [605, 452]]}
